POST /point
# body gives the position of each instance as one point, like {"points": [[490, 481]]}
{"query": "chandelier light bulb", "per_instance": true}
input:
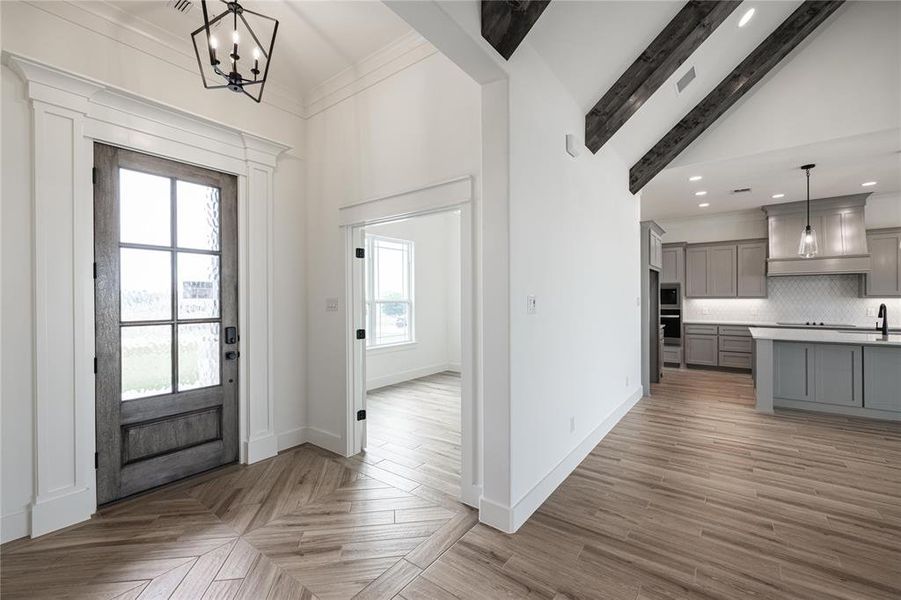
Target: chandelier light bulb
{"points": [[214, 43], [256, 54], [235, 37]]}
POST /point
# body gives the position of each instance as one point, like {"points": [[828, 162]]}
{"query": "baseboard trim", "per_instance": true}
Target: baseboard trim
{"points": [[291, 438], [455, 367], [262, 448], [61, 511], [325, 440], [15, 525], [394, 378], [509, 519]]}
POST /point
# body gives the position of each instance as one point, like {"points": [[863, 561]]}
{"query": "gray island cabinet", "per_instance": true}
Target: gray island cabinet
{"points": [[829, 371]]}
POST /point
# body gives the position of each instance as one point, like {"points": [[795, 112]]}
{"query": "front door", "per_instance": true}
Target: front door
{"points": [[165, 245]]}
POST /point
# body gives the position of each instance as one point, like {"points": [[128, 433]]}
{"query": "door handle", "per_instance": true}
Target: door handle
{"points": [[232, 355]]}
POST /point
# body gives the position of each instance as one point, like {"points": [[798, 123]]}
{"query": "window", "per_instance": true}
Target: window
{"points": [[389, 291]]}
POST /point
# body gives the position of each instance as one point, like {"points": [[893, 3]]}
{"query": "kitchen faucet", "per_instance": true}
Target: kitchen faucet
{"points": [[883, 314]]}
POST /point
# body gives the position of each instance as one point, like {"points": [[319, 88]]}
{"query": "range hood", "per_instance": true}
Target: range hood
{"points": [[840, 225]]}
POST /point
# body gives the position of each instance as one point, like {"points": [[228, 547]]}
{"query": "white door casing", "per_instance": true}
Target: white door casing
{"points": [[70, 113]]}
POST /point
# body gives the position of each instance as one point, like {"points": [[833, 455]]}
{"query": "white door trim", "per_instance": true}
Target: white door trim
{"points": [[70, 113], [454, 194]]}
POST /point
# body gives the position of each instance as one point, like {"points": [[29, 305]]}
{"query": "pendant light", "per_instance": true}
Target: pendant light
{"points": [[808, 246], [226, 67]]}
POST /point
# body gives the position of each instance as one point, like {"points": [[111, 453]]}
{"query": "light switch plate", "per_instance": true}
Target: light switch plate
{"points": [[871, 311], [531, 305]]}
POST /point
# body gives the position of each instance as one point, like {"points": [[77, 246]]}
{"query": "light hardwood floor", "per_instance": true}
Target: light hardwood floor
{"points": [[692, 495], [413, 430]]}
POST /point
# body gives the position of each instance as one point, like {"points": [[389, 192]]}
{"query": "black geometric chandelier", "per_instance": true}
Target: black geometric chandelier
{"points": [[224, 63]]}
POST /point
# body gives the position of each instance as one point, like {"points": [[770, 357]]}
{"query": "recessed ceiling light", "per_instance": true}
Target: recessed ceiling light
{"points": [[701, 193], [746, 17], [703, 205], [778, 195], [695, 178], [869, 183]]}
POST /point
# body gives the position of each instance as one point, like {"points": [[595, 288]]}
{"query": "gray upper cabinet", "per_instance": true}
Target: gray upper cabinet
{"points": [[721, 267], [752, 270], [655, 250], [696, 272], [673, 264], [726, 270], [884, 278]]}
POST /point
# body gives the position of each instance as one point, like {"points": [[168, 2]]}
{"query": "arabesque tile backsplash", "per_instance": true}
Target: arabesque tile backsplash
{"points": [[826, 298]]}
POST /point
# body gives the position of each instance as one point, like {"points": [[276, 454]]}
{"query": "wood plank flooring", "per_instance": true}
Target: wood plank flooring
{"points": [[692, 495], [413, 430]]}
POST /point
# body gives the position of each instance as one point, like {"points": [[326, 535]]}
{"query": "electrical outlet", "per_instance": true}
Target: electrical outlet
{"points": [[754, 311], [331, 305], [871, 311], [705, 311], [531, 305], [572, 424]]}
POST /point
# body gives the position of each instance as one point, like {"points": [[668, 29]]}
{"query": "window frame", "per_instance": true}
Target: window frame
{"points": [[370, 303]]}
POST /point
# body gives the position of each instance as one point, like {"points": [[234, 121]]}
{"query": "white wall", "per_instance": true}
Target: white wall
{"points": [[16, 347], [112, 59], [414, 128], [574, 231], [436, 282]]}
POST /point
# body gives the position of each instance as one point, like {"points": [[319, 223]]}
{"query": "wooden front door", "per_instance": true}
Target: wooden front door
{"points": [[165, 245]]}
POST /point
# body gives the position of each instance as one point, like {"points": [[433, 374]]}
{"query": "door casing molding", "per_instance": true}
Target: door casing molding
{"points": [[69, 114], [455, 194]]}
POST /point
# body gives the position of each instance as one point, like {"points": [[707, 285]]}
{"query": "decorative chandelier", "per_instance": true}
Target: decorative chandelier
{"points": [[808, 246], [226, 64]]}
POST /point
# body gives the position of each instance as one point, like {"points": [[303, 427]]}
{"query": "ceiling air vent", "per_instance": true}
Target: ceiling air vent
{"points": [[181, 6], [741, 191], [685, 80]]}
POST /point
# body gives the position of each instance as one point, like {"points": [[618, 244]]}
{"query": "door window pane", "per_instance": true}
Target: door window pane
{"points": [[198, 355], [198, 286], [146, 361], [144, 207], [145, 284], [198, 216]]}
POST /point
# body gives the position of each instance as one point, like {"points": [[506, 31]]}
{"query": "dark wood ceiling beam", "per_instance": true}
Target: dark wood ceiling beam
{"points": [[678, 40], [505, 23], [801, 23]]}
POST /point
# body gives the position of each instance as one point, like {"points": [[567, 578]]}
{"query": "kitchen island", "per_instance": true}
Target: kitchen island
{"points": [[845, 372]]}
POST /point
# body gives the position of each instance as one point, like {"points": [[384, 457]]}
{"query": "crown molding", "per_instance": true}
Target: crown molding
{"points": [[393, 58], [109, 21]]}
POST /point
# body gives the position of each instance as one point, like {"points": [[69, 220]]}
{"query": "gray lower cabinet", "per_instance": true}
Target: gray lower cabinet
{"points": [[672, 354], [821, 373], [882, 378], [884, 278], [700, 350], [838, 374], [752, 270], [792, 374]]}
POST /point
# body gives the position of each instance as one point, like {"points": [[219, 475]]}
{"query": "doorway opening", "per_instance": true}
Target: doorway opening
{"points": [[412, 293]]}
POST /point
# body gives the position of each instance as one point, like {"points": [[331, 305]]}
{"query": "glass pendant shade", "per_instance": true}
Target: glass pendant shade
{"points": [[808, 246]]}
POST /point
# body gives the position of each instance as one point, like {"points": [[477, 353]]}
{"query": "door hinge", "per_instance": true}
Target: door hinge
{"points": [[96, 460], [94, 175], [95, 270], [95, 365], [361, 253], [361, 415], [361, 334]]}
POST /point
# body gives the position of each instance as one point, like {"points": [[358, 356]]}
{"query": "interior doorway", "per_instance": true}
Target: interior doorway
{"points": [[412, 363]]}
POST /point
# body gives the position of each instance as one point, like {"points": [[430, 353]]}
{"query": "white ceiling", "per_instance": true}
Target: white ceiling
{"points": [[842, 166], [835, 101], [315, 41]]}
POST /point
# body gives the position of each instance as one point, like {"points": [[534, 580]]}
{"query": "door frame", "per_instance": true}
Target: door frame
{"points": [[446, 196], [70, 113]]}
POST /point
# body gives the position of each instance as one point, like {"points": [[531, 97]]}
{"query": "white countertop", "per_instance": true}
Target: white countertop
{"points": [[825, 336]]}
